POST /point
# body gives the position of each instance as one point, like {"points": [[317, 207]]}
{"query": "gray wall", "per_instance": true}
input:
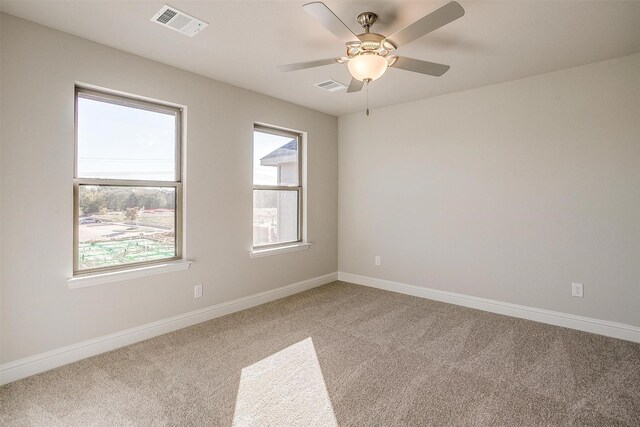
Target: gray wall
{"points": [[508, 192], [39, 312]]}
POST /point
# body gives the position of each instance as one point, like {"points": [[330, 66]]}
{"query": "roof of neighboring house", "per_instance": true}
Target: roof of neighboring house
{"points": [[288, 149], [285, 154]]}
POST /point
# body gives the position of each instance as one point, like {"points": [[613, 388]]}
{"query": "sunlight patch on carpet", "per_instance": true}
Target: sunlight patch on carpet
{"points": [[286, 388]]}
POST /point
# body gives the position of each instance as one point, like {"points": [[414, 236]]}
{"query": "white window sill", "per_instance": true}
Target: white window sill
{"points": [[259, 253], [116, 276]]}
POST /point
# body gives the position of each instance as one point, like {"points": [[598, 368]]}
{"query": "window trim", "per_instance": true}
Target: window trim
{"points": [[131, 102], [279, 249], [298, 136], [86, 280]]}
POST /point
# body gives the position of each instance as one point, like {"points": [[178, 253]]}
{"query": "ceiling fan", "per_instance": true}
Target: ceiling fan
{"points": [[369, 54]]}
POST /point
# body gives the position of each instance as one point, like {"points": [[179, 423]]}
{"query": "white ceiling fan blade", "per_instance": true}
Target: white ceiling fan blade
{"points": [[309, 64], [418, 66], [436, 19], [355, 85], [330, 21]]}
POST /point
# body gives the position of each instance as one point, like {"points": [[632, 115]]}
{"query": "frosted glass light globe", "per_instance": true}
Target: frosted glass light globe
{"points": [[367, 66]]}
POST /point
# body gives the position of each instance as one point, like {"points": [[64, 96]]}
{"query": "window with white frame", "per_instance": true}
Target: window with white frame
{"points": [[127, 184], [277, 187]]}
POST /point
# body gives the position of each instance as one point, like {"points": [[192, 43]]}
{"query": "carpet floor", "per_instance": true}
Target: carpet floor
{"points": [[343, 354]]}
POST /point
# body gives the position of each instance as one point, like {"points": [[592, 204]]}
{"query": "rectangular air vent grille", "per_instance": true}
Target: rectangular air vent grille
{"points": [[331, 86], [171, 17], [167, 15]]}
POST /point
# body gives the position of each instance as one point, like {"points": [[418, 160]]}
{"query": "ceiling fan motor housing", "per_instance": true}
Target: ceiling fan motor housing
{"points": [[370, 43]]}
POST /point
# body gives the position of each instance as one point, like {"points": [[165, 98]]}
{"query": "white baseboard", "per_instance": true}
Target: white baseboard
{"points": [[586, 324], [32, 365]]}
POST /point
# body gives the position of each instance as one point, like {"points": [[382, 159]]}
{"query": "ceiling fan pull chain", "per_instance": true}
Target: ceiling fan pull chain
{"points": [[367, 81]]}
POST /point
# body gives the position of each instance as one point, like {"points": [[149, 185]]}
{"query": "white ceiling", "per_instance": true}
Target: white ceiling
{"points": [[495, 41]]}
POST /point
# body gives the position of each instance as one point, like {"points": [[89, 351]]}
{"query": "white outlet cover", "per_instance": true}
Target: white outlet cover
{"points": [[197, 291], [577, 290]]}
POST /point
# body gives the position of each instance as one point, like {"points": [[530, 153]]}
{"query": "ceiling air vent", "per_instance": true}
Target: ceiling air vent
{"points": [[331, 86], [171, 17]]}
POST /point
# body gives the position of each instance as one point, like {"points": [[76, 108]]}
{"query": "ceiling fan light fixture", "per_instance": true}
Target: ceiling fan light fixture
{"points": [[367, 66]]}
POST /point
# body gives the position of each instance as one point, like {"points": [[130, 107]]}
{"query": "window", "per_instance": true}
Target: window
{"points": [[277, 187], [127, 184]]}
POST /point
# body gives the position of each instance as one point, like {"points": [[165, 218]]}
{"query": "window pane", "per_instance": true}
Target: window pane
{"points": [[275, 217], [119, 142], [121, 225], [275, 159]]}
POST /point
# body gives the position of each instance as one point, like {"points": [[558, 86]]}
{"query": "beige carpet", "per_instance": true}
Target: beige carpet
{"points": [[344, 354]]}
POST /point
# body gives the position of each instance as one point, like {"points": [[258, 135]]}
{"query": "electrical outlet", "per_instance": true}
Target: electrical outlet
{"points": [[197, 291], [577, 290], [377, 260]]}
